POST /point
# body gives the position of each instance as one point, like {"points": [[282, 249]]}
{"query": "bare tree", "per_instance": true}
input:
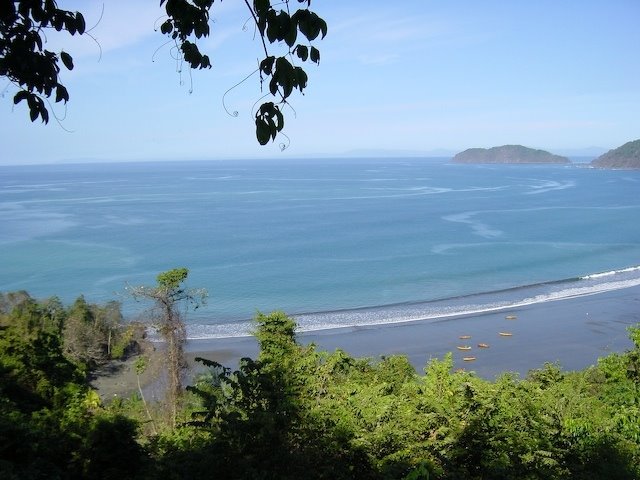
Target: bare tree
{"points": [[166, 318]]}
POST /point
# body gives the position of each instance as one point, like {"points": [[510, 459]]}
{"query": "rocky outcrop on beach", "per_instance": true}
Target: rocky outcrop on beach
{"points": [[516, 154], [626, 156]]}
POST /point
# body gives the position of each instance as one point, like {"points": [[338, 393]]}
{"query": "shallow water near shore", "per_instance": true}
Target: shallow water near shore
{"points": [[572, 332], [337, 243]]}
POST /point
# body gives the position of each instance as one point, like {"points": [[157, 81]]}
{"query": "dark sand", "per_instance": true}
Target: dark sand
{"points": [[574, 332], [120, 379]]}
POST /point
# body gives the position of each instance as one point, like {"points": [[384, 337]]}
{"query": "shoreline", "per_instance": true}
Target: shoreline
{"points": [[573, 332]]}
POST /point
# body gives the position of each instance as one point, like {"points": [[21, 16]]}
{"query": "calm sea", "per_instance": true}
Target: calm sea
{"points": [[334, 242]]}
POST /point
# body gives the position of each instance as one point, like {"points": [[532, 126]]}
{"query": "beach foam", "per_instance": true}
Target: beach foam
{"points": [[481, 303]]}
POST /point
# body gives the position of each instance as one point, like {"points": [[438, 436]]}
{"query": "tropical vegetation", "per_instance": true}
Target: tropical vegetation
{"points": [[298, 412]]}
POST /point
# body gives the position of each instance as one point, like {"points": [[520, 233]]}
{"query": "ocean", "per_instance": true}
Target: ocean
{"points": [[334, 242]]}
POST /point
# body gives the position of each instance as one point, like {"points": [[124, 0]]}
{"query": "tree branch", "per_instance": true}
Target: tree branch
{"points": [[255, 19]]}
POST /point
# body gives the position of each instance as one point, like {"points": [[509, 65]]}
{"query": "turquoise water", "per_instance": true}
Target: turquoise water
{"points": [[336, 242]]}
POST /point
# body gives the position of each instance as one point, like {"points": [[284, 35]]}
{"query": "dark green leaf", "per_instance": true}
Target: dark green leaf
{"points": [[58, 22], [273, 86], [303, 52], [284, 67], [287, 82], [201, 30], [67, 60], [70, 25], [266, 65], [273, 130], [291, 33], [62, 94], [80, 23], [315, 55], [273, 27], [172, 8], [32, 100], [21, 95], [166, 27], [301, 18], [263, 134], [313, 26], [261, 7], [323, 27], [280, 118], [301, 78]]}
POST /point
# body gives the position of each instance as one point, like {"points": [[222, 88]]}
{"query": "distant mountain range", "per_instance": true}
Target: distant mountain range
{"points": [[626, 156], [398, 153]]}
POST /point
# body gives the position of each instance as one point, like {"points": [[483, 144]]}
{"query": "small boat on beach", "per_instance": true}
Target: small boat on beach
{"points": [[483, 345], [463, 347], [505, 334], [468, 359]]}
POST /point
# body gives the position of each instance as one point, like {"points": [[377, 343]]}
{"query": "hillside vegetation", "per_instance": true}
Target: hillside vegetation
{"points": [[625, 156], [297, 412], [508, 154]]}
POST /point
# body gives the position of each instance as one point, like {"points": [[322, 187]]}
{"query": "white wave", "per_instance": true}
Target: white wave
{"points": [[228, 330], [412, 313], [610, 273], [580, 291], [599, 275]]}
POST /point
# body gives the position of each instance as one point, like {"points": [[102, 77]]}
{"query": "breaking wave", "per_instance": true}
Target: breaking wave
{"points": [[475, 304]]}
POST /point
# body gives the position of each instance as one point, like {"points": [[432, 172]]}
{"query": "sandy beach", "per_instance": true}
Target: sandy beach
{"points": [[573, 332]]}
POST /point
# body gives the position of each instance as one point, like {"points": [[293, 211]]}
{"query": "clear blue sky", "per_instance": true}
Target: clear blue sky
{"points": [[415, 75]]}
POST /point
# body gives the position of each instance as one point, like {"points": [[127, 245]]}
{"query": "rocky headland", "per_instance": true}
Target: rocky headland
{"points": [[511, 154], [623, 157]]}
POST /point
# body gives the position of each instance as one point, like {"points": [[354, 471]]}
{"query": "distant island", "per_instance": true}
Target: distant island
{"points": [[516, 154], [626, 156]]}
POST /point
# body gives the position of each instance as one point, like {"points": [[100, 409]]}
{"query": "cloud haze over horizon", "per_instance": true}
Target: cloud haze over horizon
{"points": [[412, 76]]}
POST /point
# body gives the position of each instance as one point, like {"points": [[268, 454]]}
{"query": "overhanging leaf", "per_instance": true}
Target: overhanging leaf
{"points": [[263, 133], [20, 96], [62, 94], [303, 52], [266, 65], [80, 23], [315, 55], [67, 60]]}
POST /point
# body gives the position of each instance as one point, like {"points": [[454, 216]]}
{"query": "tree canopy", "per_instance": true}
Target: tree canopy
{"points": [[300, 412], [168, 296], [34, 70]]}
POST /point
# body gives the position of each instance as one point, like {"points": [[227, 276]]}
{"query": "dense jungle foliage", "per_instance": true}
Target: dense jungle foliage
{"points": [[296, 412]]}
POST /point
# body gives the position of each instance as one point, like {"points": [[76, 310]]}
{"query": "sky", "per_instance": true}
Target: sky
{"points": [[417, 77]]}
